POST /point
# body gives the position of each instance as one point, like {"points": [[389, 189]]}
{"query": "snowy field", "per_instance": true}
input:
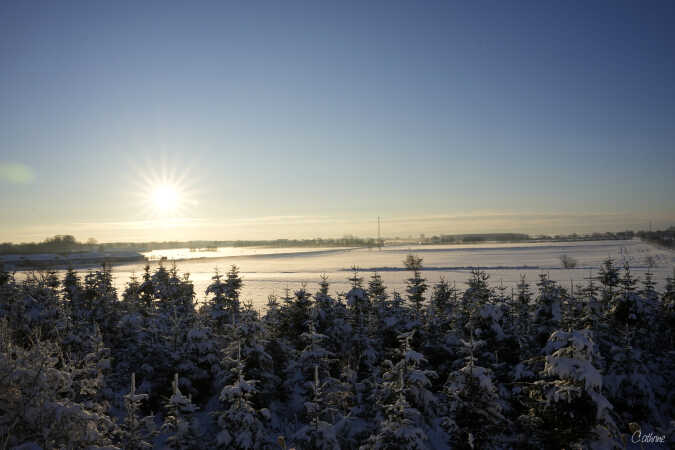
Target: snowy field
{"points": [[268, 271]]}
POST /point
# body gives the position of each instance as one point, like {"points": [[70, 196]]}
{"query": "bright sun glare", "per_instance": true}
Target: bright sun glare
{"points": [[164, 192], [165, 198]]}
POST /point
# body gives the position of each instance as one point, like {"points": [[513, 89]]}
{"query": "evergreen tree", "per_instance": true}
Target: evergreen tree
{"points": [[474, 410], [356, 280], [241, 424], [592, 313], [377, 292], [39, 393], [416, 284], [404, 390], [294, 317], [324, 284], [72, 286], [569, 406], [137, 432], [609, 279], [318, 433], [547, 315], [179, 422], [300, 372]]}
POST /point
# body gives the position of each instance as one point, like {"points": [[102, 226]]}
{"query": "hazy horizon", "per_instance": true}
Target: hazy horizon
{"points": [[320, 227], [139, 122]]}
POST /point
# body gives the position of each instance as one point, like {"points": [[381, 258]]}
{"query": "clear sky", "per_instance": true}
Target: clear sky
{"points": [[304, 119]]}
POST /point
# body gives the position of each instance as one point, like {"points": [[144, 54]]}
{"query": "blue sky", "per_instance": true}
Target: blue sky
{"points": [[303, 119]]}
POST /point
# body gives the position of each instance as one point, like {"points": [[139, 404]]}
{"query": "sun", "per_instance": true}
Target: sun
{"points": [[165, 198], [165, 191]]}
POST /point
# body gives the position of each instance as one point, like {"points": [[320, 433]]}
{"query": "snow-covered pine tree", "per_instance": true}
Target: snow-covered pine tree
{"points": [[37, 399], [567, 402], [524, 299], [648, 290], [147, 289], [319, 432], [474, 416], [179, 424], [628, 308], [477, 294], [377, 292], [592, 310], [300, 371], [404, 391], [439, 336], [548, 314], [358, 304], [131, 297], [88, 370], [248, 344], [361, 349], [72, 287], [416, 285], [233, 285], [100, 304], [397, 319], [241, 425], [668, 308], [398, 428], [159, 283], [200, 362], [627, 382], [407, 374], [609, 279], [443, 300], [356, 280], [182, 293], [37, 306], [132, 335], [295, 315], [137, 431], [324, 285]]}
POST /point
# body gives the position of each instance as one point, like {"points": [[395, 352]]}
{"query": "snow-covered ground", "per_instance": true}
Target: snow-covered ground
{"points": [[227, 252], [267, 271]]}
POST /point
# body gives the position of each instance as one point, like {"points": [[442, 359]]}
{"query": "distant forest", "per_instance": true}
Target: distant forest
{"points": [[68, 243], [665, 238]]}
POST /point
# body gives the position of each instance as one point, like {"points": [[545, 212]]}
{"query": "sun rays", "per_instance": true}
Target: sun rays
{"points": [[165, 193]]}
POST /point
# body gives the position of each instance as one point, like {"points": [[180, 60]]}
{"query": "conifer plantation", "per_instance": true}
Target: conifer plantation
{"points": [[438, 366]]}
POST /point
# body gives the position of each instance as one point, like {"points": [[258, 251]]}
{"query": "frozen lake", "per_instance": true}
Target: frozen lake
{"points": [[270, 270]]}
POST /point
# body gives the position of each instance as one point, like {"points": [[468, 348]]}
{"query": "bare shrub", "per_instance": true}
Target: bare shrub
{"points": [[568, 262]]}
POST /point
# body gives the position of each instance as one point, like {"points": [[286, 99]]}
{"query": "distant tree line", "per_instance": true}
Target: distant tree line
{"points": [[61, 243], [519, 237], [664, 238], [476, 238], [67, 243]]}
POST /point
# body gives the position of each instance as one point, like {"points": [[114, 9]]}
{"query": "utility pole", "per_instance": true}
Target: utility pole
{"points": [[379, 237]]}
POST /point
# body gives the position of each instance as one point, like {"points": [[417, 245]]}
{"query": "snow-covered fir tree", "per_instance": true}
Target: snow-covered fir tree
{"points": [[179, 425], [473, 417], [416, 285], [241, 425], [137, 431], [583, 367], [569, 407]]}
